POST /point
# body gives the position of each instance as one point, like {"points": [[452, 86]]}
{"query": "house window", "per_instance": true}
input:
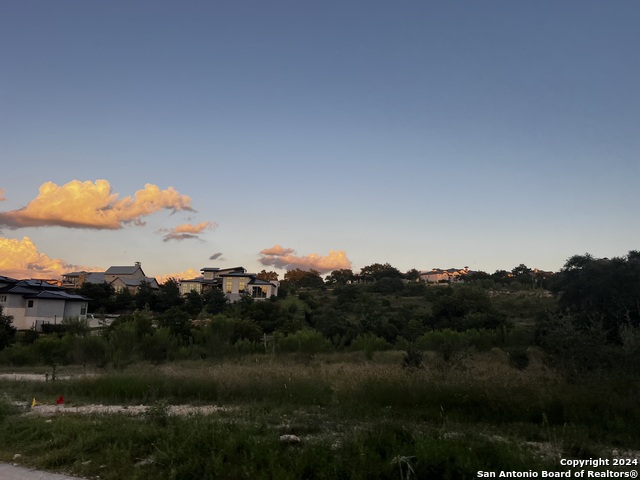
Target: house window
{"points": [[83, 310], [3, 298], [259, 292], [228, 284], [30, 304], [241, 287]]}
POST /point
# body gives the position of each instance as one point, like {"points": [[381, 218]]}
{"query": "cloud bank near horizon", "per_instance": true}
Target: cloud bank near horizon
{"points": [[21, 259], [188, 274], [92, 206], [286, 258]]}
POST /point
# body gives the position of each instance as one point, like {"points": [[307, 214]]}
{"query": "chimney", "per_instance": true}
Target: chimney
{"points": [[137, 264]]}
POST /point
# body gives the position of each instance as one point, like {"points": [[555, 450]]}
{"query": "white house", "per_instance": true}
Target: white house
{"points": [[211, 278], [127, 277], [237, 284], [34, 302], [234, 282], [451, 275]]}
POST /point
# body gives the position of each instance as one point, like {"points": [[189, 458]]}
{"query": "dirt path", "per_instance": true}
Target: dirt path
{"points": [[50, 410], [15, 472]]}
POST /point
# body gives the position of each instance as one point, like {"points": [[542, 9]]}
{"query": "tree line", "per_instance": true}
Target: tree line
{"points": [[584, 317]]}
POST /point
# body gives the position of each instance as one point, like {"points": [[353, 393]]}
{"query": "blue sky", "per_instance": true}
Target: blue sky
{"points": [[423, 134]]}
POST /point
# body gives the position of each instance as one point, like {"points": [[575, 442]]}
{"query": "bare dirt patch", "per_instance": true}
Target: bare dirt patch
{"points": [[40, 377], [51, 410]]}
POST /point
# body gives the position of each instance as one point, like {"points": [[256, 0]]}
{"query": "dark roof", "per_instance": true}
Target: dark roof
{"points": [[57, 296], [95, 277], [259, 281], [215, 269], [122, 270], [236, 274], [73, 274], [39, 289], [135, 282]]}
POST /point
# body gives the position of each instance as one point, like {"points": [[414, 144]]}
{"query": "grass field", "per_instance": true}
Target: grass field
{"points": [[356, 419]]}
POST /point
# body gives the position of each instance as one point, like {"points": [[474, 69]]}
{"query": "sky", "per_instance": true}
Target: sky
{"points": [[335, 134]]}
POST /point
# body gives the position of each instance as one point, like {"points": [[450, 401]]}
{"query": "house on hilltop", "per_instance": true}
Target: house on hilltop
{"points": [[234, 282], [32, 303], [211, 278], [120, 277], [451, 275], [237, 284]]}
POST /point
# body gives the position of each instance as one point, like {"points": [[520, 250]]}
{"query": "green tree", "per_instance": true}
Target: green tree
{"points": [[7, 330], [268, 276], [101, 296], [522, 274], [377, 271], [193, 304], [177, 322], [215, 301], [146, 296], [124, 301], [304, 278], [340, 277], [412, 275], [168, 296], [604, 290], [140, 321], [455, 304]]}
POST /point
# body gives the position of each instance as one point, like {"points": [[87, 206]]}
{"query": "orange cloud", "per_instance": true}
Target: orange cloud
{"points": [[185, 231], [2, 199], [186, 275], [280, 257], [92, 205], [21, 259], [277, 251]]}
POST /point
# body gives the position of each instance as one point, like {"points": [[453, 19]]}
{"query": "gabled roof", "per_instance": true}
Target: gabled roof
{"points": [[122, 270], [95, 277]]}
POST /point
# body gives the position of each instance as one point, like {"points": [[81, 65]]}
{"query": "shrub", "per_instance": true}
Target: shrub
{"points": [[303, 341], [19, 355], [518, 357], [369, 344], [412, 358]]}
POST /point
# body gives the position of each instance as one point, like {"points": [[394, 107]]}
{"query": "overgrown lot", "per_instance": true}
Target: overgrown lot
{"points": [[355, 418]]}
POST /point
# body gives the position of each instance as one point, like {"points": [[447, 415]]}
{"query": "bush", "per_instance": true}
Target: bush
{"points": [[369, 343], [303, 341], [518, 358], [19, 355], [413, 358]]}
